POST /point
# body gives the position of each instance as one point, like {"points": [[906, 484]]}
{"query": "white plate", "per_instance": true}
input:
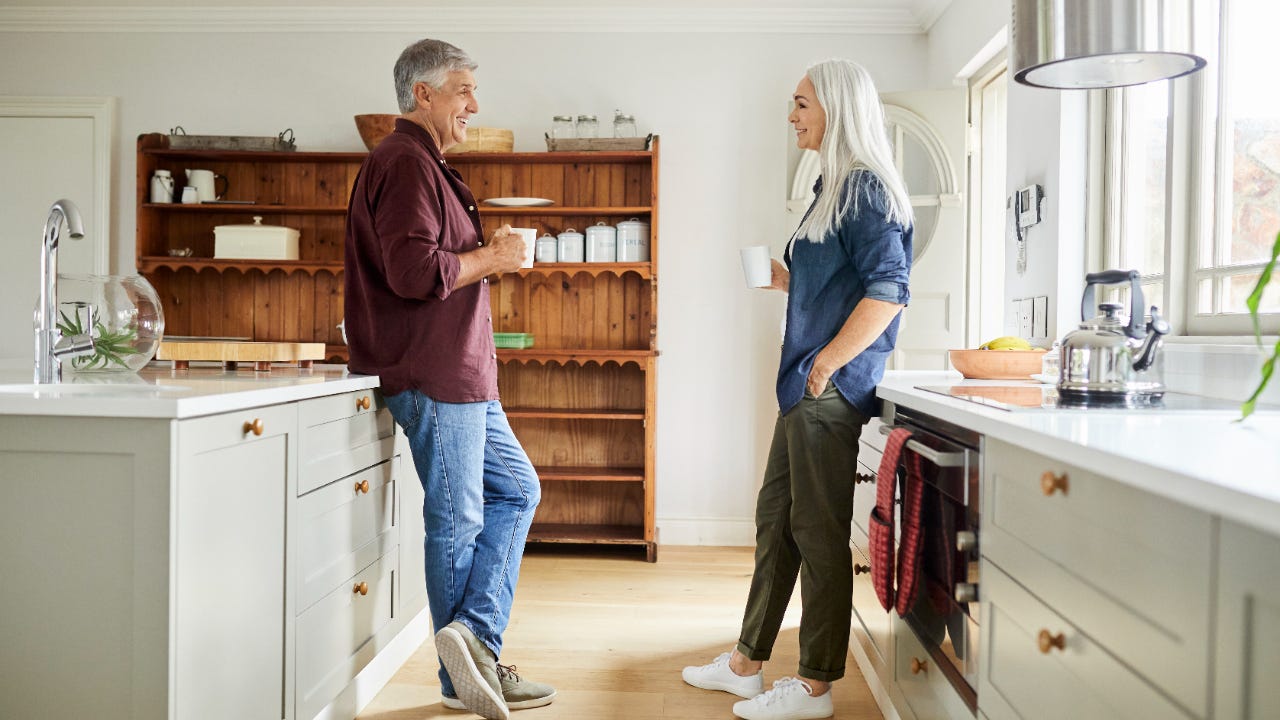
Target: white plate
{"points": [[519, 202]]}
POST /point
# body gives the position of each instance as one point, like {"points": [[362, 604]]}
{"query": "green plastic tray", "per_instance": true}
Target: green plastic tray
{"points": [[517, 341]]}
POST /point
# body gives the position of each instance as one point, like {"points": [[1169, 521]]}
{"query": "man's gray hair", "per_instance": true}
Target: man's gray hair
{"points": [[427, 61]]}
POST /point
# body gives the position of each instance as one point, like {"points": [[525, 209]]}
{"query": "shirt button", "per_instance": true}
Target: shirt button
{"points": [[494, 356], [484, 280], [471, 207], [479, 243]]}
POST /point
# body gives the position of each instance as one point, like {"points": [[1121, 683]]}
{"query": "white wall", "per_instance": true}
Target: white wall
{"points": [[718, 100]]}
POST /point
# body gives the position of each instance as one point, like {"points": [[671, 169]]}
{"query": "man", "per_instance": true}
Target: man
{"points": [[418, 316]]}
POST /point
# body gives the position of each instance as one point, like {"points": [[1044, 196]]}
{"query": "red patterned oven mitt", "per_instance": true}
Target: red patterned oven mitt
{"points": [[880, 527]]}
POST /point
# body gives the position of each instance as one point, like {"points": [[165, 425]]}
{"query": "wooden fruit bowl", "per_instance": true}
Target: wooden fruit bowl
{"points": [[997, 364], [373, 128]]}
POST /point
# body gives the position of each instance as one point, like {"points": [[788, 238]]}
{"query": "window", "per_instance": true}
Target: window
{"points": [[1194, 168]]}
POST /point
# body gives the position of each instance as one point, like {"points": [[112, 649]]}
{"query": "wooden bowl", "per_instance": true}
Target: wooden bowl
{"points": [[373, 128], [997, 364]]}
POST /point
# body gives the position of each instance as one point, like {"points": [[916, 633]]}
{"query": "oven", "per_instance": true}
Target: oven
{"points": [[945, 613]]}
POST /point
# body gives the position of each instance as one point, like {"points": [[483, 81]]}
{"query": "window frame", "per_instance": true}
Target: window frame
{"points": [[1196, 223]]}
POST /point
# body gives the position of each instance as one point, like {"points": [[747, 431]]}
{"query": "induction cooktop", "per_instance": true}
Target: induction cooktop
{"points": [[1031, 396]]}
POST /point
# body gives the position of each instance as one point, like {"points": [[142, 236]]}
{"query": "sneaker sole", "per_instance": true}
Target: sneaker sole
{"points": [[473, 692], [793, 715], [456, 704], [725, 687]]}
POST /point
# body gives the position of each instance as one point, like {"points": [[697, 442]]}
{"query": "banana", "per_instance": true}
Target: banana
{"points": [[1006, 342]]}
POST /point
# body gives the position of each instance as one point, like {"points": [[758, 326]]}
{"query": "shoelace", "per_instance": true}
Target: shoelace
{"points": [[783, 687], [721, 659], [505, 671]]}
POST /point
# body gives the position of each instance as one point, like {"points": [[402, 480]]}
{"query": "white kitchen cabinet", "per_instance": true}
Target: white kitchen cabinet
{"points": [[231, 592], [1129, 572], [172, 568], [926, 690], [1248, 625]]}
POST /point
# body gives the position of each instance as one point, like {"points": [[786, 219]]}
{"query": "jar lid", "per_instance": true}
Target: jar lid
{"points": [[586, 118], [624, 118], [162, 173], [561, 118]]}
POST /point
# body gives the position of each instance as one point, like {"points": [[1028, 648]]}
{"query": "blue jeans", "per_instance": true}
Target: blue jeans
{"points": [[481, 491]]}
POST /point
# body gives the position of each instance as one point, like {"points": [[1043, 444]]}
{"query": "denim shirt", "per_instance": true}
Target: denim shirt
{"points": [[867, 256]]}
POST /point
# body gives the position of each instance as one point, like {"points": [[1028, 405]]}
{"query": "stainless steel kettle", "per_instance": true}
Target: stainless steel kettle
{"points": [[1104, 361]]}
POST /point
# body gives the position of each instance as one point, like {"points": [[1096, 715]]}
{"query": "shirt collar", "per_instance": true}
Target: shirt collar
{"points": [[420, 134]]}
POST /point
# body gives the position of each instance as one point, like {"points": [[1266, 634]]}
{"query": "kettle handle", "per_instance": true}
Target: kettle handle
{"points": [[1116, 277]]}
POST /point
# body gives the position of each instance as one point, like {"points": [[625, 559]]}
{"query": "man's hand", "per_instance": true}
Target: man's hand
{"points": [[508, 250]]}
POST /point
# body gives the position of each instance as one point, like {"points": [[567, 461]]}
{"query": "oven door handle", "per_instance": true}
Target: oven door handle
{"points": [[941, 459]]}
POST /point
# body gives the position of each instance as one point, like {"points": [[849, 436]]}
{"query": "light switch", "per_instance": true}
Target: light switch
{"points": [[1040, 316], [1024, 318], [1011, 318]]}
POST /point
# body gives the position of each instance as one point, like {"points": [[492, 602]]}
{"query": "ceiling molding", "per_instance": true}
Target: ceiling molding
{"points": [[927, 12], [879, 20]]}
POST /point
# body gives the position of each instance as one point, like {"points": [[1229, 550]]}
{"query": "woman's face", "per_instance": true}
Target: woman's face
{"points": [[808, 117]]}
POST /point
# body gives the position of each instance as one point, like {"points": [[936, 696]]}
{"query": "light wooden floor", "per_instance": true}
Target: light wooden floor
{"points": [[612, 632]]}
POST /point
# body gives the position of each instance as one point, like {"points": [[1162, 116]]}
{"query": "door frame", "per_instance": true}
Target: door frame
{"points": [[102, 111]]}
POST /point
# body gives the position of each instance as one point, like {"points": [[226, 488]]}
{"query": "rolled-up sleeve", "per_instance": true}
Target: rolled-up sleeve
{"points": [[880, 248], [409, 223]]}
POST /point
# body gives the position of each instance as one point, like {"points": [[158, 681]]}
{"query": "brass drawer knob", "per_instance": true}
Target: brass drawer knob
{"points": [[918, 666], [254, 427], [361, 588], [1048, 641], [863, 478], [859, 569], [1051, 483], [363, 487], [363, 403]]}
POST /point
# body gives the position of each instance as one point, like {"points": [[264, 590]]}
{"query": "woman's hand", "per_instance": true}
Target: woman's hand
{"points": [[820, 373], [779, 277]]}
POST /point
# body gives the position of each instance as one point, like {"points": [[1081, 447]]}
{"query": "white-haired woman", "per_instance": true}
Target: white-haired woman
{"points": [[845, 275]]}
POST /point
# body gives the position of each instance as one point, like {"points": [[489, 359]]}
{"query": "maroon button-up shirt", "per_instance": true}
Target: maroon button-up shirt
{"points": [[407, 321]]}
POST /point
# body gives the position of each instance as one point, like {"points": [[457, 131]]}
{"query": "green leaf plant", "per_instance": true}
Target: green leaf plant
{"points": [[110, 346], [1255, 299]]}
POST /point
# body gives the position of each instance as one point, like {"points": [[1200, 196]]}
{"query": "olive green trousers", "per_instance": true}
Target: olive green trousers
{"points": [[802, 530]]}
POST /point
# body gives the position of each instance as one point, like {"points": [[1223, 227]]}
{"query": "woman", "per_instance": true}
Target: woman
{"points": [[846, 281]]}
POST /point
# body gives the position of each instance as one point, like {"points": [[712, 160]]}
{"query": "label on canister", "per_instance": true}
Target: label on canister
{"points": [[633, 241], [602, 243]]}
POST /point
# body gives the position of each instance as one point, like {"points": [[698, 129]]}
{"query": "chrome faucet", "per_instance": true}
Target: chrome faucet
{"points": [[51, 346]]}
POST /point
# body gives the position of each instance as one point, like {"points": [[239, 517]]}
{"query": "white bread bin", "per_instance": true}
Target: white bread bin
{"points": [[256, 241]]}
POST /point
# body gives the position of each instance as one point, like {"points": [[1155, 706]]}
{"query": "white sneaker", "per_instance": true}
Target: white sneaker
{"points": [[718, 676], [788, 700]]}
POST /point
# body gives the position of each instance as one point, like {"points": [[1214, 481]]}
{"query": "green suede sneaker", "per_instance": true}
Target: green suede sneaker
{"points": [[520, 694], [473, 670]]}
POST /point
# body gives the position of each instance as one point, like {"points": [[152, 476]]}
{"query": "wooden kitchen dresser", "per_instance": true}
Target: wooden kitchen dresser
{"points": [[581, 401], [275, 300]]}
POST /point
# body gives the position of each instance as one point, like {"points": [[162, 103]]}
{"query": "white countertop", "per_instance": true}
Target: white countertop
{"points": [[1199, 458], [158, 391]]}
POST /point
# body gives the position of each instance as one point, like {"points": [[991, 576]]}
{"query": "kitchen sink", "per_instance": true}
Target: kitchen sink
{"points": [[90, 389]]}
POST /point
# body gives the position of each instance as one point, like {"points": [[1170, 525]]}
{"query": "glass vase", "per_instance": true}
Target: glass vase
{"points": [[128, 321]]}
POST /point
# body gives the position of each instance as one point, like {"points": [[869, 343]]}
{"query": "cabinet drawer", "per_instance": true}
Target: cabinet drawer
{"points": [[872, 625], [1078, 680], [1130, 569], [926, 690], [343, 527], [339, 435], [338, 636]]}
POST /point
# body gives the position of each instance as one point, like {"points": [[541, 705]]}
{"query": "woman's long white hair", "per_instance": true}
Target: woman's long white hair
{"points": [[855, 140]]}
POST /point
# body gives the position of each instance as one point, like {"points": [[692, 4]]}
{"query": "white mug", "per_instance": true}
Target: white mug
{"points": [[530, 237], [756, 266], [190, 196]]}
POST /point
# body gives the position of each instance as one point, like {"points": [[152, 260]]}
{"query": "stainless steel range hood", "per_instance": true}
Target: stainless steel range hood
{"points": [[1081, 44]]}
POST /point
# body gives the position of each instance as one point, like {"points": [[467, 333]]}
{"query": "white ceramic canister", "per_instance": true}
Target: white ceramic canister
{"points": [[545, 250], [602, 243], [570, 246], [633, 241], [162, 187]]}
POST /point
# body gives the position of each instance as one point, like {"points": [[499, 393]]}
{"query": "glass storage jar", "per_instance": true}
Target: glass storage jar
{"points": [[587, 127], [562, 127], [624, 126], [128, 321]]}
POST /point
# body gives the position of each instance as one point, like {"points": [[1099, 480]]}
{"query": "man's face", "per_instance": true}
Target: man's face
{"points": [[448, 109]]}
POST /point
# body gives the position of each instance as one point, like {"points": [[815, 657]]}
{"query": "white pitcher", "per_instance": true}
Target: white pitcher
{"points": [[205, 182]]}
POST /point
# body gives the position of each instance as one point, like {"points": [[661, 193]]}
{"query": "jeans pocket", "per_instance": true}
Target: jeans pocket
{"points": [[405, 407]]}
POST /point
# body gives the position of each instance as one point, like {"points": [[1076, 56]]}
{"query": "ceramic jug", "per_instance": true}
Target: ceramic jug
{"points": [[205, 183]]}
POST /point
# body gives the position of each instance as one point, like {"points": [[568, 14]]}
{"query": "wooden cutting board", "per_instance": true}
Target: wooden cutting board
{"points": [[230, 353]]}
